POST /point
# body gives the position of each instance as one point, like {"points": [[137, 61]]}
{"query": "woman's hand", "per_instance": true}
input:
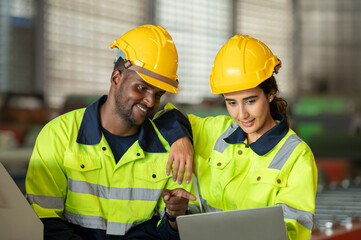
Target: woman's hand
{"points": [[181, 155]]}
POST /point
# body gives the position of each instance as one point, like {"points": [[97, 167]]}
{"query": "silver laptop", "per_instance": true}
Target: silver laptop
{"points": [[17, 219], [246, 224]]}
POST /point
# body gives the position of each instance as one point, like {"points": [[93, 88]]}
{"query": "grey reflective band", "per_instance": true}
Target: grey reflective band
{"points": [[208, 208], [49, 202], [305, 218], [143, 194], [195, 185], [115, 228], [285, 152], [151, 74], [88, 188], [95, 222], [221, 145]]}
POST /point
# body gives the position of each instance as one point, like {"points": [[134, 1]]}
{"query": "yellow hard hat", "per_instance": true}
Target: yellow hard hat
{"points": [[150, 51], [242, 63]]}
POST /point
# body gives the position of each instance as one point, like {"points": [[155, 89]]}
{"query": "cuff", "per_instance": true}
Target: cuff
{"points": [[173, 125], [165, 231]]}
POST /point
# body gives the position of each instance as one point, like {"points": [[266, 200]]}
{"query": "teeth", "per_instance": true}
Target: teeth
{"points": [[143, 109]]}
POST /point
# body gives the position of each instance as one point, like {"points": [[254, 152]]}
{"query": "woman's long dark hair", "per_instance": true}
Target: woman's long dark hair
{"points": [[278, 105]]}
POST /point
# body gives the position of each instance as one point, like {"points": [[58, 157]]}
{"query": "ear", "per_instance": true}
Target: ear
{"points": [[116, 77], [271, 96]]}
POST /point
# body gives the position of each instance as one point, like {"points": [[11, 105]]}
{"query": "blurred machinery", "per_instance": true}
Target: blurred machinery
{"points": [[331, 126]]}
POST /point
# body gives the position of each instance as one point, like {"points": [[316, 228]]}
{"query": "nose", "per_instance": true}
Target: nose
{"points": [[150, 100], [243, 113]]}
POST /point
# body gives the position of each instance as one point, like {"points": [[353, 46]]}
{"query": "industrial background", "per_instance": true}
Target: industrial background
{"points": [[55, 57]]}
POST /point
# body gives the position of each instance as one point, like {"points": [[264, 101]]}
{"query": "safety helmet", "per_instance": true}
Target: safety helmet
{"points": [[242, 63], [150, 51]]}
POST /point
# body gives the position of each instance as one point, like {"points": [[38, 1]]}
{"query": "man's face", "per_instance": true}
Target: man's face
{"points": [[136, 99]]}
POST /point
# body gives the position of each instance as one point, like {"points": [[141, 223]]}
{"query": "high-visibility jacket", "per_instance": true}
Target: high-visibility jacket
{"points": [[278, 169], [73, 175]]}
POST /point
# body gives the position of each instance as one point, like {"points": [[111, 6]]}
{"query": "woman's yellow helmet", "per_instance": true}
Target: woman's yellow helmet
{"points": [[242, 63]]}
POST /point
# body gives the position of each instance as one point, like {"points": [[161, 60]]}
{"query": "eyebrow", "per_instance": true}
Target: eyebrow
{"points": [[244, 99], [151, 86]]}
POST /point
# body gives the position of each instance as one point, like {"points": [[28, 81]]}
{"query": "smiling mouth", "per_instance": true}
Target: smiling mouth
{"points": [[145, 110], [248, 123]]}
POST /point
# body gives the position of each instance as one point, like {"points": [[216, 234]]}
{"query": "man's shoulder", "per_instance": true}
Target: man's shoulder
{"points": [[68, 118]]}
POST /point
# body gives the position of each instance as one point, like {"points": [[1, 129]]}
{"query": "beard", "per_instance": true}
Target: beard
{"points": [[123, 112]]}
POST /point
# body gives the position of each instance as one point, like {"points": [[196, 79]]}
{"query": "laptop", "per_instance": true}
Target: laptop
{"points": [[17, 218], [248, 224]]}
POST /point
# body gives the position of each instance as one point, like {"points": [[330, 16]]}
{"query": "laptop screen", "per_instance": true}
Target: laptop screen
{"points": [[249, 224], [18, 219]]}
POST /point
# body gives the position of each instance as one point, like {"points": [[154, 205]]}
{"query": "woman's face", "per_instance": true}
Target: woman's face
{"points": [[251, 110]]}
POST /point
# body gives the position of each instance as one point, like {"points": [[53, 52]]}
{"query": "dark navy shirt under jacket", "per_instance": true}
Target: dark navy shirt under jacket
{"points": [[119, 144]]}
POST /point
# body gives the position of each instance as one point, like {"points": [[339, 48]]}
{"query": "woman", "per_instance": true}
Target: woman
{"points": [[252, 159]]}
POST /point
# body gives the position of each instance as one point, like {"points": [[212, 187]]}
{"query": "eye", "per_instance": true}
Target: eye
{"points": [[250, 101], [231, 103], [142, 88]]}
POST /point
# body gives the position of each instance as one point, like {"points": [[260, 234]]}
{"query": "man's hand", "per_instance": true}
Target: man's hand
{"points": [[181, 156], [176, 202]]}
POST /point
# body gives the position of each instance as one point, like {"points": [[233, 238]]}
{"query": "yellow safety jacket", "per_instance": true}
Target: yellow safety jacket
{"points": [[73, 175], [278, 169]]}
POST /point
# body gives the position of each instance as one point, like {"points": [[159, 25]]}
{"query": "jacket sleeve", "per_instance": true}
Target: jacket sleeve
{"points": [[58, 229], [172, 124], [206, 131], [164, 229], [298, 197], [46, 182]]}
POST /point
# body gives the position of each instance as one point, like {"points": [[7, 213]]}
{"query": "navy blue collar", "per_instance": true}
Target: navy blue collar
{"points": [[266, 142], [90, 132]]}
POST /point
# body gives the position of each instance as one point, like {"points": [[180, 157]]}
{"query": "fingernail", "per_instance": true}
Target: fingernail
{"points": [[188, 181], [174, 179], [167, 173], [179, 182]]}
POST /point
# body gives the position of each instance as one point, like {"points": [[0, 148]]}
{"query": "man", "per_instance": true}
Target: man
{"points": [[99, 172]]}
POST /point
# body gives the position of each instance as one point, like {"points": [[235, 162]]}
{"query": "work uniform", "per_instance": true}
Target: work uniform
{"points": [[278, 169], [74, 178]]}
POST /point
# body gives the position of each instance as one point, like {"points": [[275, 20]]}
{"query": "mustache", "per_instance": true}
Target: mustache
{"points": [[149, 109]]}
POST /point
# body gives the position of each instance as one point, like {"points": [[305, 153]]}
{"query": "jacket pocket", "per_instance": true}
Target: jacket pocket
{"points": [[83, 190], [263, 187]]}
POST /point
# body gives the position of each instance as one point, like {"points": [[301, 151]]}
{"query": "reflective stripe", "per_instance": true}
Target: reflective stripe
{"points": [[151, 74], [97, 222], [49, 202], [221, 145], [305, 218], [208, 208], [285, 152], [88, 188], [115, 228], [94, 222], [143, 194]]}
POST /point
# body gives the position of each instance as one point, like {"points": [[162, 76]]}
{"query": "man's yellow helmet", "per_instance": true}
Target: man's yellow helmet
{"points": [[150, 51], [242, 63]]}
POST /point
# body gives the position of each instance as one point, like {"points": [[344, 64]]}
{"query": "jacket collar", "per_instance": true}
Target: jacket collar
{"points": [[266, 142], [90, 132]]}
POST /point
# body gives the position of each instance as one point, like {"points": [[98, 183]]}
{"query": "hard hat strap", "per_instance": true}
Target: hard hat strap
{"points": [[128, 65]]}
